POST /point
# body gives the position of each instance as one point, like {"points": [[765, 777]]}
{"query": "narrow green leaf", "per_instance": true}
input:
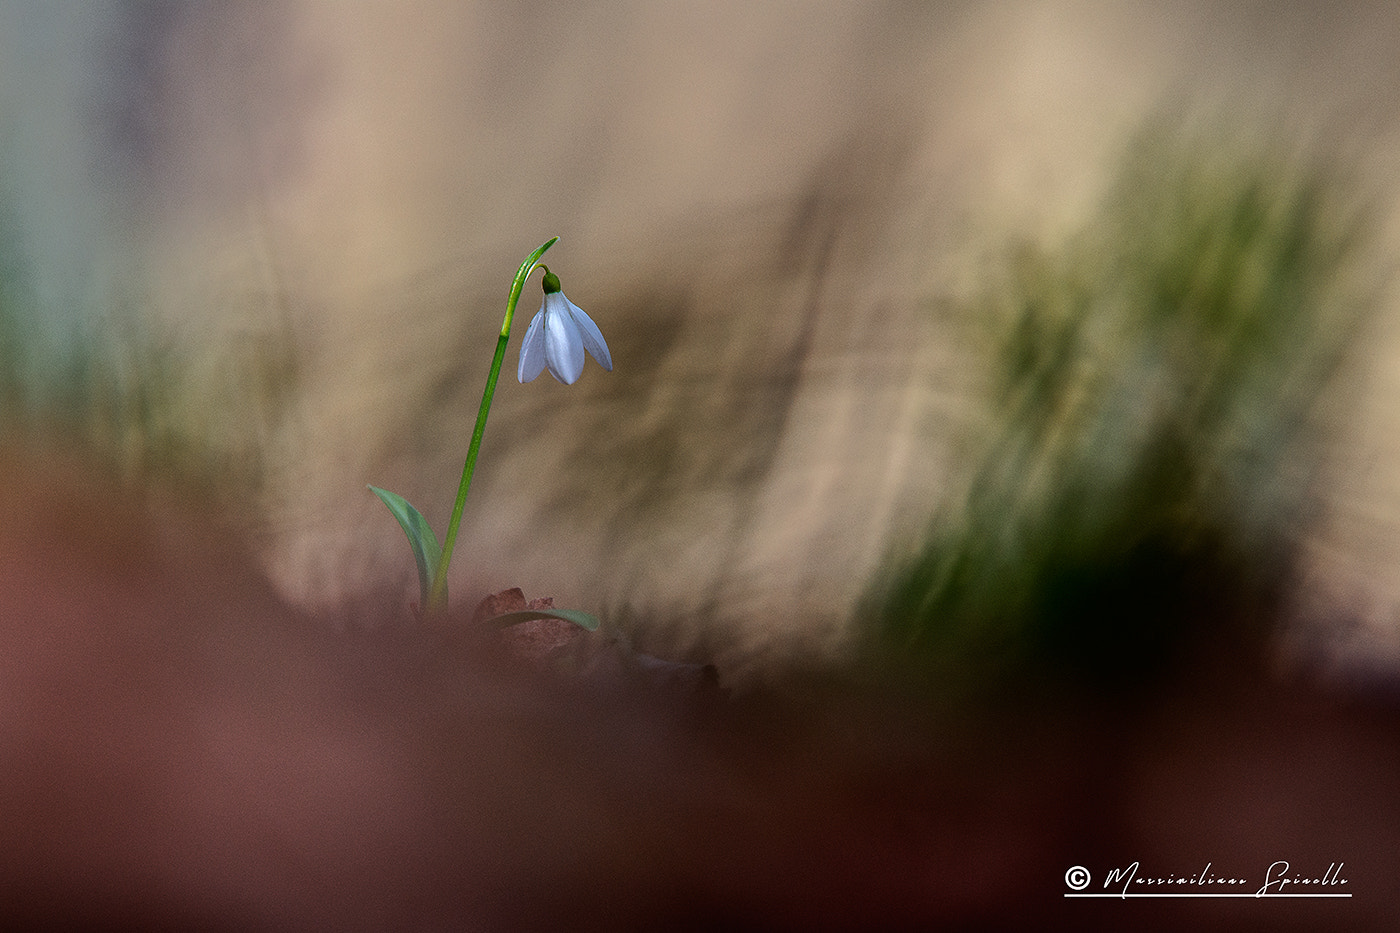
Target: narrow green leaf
{"points": [[426, 550], [581, 619]]}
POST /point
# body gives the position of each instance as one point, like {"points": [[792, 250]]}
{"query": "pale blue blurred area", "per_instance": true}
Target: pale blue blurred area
{"points": [[293, 226], [56, 208], [119, 126]]}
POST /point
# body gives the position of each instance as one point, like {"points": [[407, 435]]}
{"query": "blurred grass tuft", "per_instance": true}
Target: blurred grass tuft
{"points": [[200, 411], [1156, 386]]}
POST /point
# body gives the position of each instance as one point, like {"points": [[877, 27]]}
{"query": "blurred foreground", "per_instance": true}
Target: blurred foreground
{"points": [[182, 750]]}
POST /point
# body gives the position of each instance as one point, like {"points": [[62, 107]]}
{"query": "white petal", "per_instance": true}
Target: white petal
{"points": [[563, 347], [532, 350], [592, 337]]}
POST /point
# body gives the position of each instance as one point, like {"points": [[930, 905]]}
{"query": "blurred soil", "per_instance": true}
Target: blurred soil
{"points": [[182, 750]]}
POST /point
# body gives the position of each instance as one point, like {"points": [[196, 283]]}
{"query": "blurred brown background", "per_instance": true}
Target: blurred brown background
{"points": [[306, 215]]}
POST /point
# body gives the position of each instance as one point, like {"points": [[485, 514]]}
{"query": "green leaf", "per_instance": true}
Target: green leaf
{"points": [[426, 550], [581, 619], [528, 265]]}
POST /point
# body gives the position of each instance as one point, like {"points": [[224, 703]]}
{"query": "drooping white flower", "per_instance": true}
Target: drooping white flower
{"points": [[558, 336]]}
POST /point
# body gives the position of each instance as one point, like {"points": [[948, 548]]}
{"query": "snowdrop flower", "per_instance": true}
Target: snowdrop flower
{"points": [[557, 337]]}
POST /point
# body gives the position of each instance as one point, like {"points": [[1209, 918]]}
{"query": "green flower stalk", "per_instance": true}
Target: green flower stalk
{"points": [[557, 337]]}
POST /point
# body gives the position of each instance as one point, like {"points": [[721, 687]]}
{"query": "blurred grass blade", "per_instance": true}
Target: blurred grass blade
{"points": [[1156, 427], [426, 550]]}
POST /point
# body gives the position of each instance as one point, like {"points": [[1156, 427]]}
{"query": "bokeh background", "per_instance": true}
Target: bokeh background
{"points": [[968, 324]]}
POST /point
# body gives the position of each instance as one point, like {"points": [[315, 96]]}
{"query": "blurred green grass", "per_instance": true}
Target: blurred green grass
{"points": [[142, 399], [1156, 418]]}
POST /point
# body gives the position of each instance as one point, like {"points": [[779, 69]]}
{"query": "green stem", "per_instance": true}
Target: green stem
{"points": [[437, 596]]}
